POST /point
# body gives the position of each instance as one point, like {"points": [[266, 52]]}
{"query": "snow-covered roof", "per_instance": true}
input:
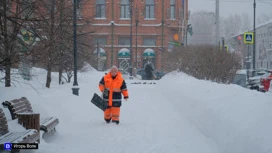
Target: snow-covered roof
{"points": [[101, 50], [124, 53], [258, 26], [148, 50], [264, 24], [149, 53], [124, 50]]}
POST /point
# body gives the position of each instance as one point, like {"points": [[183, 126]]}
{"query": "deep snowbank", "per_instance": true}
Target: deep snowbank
{"points": [[234, 119], [237, 119]]}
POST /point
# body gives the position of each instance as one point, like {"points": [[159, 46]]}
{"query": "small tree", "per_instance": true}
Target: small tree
{"points": [[12, 20], [204, 62]]}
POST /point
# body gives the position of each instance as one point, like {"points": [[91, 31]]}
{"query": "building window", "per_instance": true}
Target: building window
{"points": [[123, 41], [100, 41], [100, 9], [150, 9], [149, 42], [173, 9], [125, 9]]}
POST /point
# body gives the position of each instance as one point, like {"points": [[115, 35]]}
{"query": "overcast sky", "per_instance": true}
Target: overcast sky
{"points": [[228, 7]]}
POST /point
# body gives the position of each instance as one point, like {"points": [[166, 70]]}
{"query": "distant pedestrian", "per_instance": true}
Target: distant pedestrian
{"points": [[149, 71]]}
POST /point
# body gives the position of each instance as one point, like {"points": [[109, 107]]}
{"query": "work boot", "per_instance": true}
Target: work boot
{"points": [[117, 122], [108, 120]]}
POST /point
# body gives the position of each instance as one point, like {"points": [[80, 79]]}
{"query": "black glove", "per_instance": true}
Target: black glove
{"points": [[106, 92], [126, 98]]}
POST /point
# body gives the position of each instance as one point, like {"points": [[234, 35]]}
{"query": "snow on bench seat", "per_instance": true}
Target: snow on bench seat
{"points": [[48, 123], [22, 105], [26, 136]]}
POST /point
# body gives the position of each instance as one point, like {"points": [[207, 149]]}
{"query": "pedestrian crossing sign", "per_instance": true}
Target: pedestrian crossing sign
{"points": [[248, 38]]}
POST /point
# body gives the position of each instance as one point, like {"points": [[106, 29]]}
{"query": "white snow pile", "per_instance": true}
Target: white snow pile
{"points": [[178, 114]]}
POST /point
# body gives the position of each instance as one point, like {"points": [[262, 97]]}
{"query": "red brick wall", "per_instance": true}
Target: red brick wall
{"points": [[90, 23]]}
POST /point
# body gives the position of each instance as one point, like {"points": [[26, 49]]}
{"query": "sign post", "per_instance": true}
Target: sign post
{"points": [[25, 66], [248, 39]]}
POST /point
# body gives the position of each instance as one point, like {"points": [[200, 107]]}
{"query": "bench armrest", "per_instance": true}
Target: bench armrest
{"points": [[6, 104]]}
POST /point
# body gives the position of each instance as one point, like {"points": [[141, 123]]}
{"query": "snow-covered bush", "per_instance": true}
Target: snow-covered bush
{"points": [[203, 62]]}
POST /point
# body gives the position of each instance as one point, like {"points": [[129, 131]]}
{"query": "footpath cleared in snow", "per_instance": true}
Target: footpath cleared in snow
{"points": [[178, 114]]}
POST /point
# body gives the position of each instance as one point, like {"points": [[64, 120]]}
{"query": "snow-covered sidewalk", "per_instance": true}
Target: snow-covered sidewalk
{"points": [[178, 114]]}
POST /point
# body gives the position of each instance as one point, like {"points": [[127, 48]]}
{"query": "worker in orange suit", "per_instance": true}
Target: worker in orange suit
{"points": [[112, 85]]}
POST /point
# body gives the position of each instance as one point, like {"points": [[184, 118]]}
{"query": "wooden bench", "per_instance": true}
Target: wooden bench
{"points": [[22, 105], [27, 136]]}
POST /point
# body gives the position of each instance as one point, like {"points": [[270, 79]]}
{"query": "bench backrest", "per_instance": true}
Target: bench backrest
{"points": [[3, 123], [15, 106]]}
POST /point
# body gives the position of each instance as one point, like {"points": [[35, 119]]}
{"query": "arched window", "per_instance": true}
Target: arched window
{"points": [[173, 9], [100, 9], [149, 9], [125, 9]]}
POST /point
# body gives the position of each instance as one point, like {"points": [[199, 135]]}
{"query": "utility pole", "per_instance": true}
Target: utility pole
{"points": [[112, 24], [137, 22], [217, 22], [254, 34], [248, 62], [98, 54], [130, 62], [223, 44], [181, 29], [162, 50], [75, 84], [186, 36]]}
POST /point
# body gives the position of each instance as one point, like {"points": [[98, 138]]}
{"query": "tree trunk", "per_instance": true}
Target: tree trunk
{"points": [[48, 77], [7, 73], [7, 65], [69, 76], [61, 41], [51, 37], [60, 76]]}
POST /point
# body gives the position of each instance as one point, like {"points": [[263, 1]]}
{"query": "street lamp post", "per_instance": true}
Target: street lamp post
{"points": [[162, 35], [254, 35], [75, 88], [98, 55], [137, 22], [130, 67]]}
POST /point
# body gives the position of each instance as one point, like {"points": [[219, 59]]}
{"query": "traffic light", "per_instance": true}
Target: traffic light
{"points": [[190, 29], [239, 38]]}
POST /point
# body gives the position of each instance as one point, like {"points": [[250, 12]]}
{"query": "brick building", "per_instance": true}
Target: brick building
{"points": [[154, 25]]}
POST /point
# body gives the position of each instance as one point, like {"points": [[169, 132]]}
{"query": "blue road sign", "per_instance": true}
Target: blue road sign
{"points": [[248, 38]]}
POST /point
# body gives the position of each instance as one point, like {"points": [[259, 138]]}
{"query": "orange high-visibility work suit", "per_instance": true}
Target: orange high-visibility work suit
{"points": [[114, 87]]}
